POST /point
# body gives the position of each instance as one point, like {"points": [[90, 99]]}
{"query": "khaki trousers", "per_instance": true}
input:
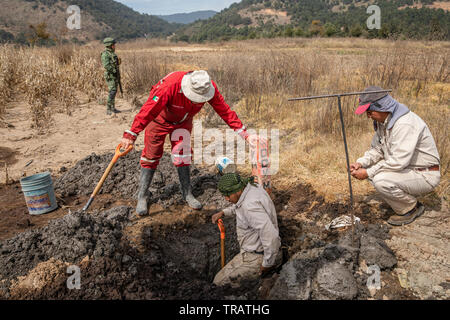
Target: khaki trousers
{"points": [[399, 189], [244, 266]]}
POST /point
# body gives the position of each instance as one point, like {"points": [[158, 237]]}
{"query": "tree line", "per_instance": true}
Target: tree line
{"points": [[325, 18]]}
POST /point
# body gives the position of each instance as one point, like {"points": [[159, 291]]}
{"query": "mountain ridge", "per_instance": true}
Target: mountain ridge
{"points": [[188, 17]]}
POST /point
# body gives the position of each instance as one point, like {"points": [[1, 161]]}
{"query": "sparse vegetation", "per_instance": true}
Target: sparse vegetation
{"points": [[257, 77]]}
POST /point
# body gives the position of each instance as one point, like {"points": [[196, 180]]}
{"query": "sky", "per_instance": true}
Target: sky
{"points": [[164, 7]]}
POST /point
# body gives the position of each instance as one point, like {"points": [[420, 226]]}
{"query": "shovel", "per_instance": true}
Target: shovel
{"points": [[222, 241], [117, 155]]}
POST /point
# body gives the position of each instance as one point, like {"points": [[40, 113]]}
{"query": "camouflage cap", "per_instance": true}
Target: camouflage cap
{"points": [[231, 183], [109, 41]]}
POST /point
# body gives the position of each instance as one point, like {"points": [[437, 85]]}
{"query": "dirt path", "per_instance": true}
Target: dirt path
{"points": [[423, 251], [69, 138]]}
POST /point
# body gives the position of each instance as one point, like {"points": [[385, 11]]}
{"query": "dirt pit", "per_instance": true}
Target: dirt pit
{"points": [[123, 180], [174, 253]]}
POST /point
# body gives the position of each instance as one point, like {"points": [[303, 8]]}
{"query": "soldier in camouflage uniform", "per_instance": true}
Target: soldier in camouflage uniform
{"points": [[111, 63]]}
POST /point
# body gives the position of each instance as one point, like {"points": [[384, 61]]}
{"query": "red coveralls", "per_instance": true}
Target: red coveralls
{"points": [[166, 110]]}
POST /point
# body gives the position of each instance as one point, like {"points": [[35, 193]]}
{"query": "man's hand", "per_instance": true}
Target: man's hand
{"points": [[355, 166], [253, 140], [216, 217], [126, 143], [360, 174]]}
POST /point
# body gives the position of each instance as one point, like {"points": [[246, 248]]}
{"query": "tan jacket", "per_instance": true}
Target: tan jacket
{"points": [[256, 223], [408, 144]]}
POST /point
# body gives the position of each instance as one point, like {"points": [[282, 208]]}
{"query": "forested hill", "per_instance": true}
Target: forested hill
{"points": [[190, 17], [99, 18], [425, 19]]}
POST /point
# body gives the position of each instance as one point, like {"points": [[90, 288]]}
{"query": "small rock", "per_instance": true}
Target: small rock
{"points": [[335, 281], [438, 289], [372, 291], [126, 259], [376, 252]]}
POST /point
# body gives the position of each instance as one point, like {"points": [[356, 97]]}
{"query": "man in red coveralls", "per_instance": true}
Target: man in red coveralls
{"points": [[172, 105]]}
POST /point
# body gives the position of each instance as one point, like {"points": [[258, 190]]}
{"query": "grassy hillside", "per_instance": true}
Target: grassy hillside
{"points": [[99, 18], [249, 19]]}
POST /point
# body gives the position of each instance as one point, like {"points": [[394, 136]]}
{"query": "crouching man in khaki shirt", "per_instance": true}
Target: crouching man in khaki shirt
{"points": [[256, 227], [403, 161]]}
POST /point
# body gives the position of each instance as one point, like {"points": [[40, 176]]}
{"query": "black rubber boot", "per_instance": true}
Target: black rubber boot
{"points": [[108, 110], [184, 173], [143, 194], [114, 110]]}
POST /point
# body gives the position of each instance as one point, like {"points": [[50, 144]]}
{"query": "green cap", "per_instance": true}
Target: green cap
{"points": [[109, 41], [231, 183]]}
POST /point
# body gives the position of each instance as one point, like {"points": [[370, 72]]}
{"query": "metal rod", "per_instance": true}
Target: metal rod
{"points": [[348, 165], [346, 151], [337, 95]]}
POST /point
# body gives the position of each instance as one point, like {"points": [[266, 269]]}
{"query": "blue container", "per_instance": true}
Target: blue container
{"points": [[39, 194]]}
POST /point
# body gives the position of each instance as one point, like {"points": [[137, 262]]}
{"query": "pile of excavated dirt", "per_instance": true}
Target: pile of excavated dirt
{"points": [[329, 264], [174, 253], [123, 180], [177, 262], [336, 270]]}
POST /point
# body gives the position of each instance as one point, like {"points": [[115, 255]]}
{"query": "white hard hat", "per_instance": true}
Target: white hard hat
{"points": [[225, 165]]}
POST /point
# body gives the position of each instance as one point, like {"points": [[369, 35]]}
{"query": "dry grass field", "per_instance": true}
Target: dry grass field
{"points": [[256, 78]]}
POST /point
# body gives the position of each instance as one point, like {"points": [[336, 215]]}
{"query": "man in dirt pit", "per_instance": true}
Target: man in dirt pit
{"points": [[256, 228], [172, 105], [403, 161]]}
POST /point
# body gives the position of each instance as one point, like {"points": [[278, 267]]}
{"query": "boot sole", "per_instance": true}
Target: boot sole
{"points": [[413, 217]]}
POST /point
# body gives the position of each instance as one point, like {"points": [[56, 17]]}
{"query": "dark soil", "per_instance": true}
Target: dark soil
{"points": [[123, 180], [15, 218], [175, 264], [7, 156], [173, 253]]}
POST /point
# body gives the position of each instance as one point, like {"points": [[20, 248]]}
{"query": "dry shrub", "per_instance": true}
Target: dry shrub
{"points": [[86, 73], [140, 73], [48, 79], [39, 88], [9, 74], [64, 54]]}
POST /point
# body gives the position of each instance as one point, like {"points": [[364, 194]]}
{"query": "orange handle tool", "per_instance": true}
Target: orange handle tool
{"points": [[222, 241], [117, 155]]}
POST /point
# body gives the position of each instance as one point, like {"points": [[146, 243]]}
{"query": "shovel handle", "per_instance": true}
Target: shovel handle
{"points": [[117, 155], [221, 228], [222, 241]]}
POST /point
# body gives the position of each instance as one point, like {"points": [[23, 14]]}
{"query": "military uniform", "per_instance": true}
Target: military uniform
{"points": [[111, 63]]}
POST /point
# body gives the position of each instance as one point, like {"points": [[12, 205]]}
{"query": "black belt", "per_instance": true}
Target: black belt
{"points": [[258, 252]]}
